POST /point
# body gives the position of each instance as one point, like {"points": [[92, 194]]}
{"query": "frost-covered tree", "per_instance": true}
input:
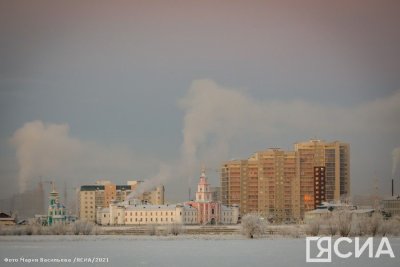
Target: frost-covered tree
{"points": [[344, 220], [313, 227], [252, 225], [82, 227], [175, 229]]}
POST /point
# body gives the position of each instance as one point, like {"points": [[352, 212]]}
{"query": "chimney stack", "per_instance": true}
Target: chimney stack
{"points": [[392, 187]]}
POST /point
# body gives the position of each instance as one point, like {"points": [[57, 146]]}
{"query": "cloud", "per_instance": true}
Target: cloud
{"points": [[48, 150], [218, 118]]}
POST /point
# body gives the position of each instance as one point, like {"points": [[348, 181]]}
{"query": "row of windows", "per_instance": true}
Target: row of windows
{"points": [[151, 220], [149, 213], [57, 213]]}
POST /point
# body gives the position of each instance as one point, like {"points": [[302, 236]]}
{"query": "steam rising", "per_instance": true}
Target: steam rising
{"points": [[48, 150], [161, 178], [216, 119]]}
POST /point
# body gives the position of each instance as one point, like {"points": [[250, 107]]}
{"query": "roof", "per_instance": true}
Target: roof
{"points": [[318, 211], [7, 219], [397, 198], [151, 207], [92, 187], [324, 211], [158, 207], [363, 211], [101, 187], [226, 208], [4, 215], [123, 187]]}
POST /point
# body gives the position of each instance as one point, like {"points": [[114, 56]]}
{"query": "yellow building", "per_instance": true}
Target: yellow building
{"points": [[155, 196], [335, 158], [103, 193], [282, 185]]}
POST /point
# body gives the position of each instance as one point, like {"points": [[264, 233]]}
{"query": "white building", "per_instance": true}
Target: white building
{"points": [[325, 210], [392, 206], [136, 213]]}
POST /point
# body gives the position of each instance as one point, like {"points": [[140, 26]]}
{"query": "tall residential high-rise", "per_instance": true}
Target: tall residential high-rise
{"points": [[277, 184], [282, 185], [101, 194], [335, 157], [265, 183]]}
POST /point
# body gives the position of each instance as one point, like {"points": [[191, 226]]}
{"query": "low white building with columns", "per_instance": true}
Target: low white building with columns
{"points": [[136, 213]]}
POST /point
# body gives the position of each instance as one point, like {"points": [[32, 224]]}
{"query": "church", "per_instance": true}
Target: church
{"points": [[210, 211]]}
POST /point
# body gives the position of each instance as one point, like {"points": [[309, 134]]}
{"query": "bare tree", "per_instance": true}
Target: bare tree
{"points": [[386, 227], [374, 223], [393, 226], [344, 219], [82, 227], [58, 229], [151, 229], [332, 223], [175, 229], [313, 227], [252, 225]]}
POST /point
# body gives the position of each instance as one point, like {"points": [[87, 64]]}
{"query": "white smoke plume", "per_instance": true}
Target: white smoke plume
{"points": [[396, 161], [164, 174], [49, 151], [218, 118]]}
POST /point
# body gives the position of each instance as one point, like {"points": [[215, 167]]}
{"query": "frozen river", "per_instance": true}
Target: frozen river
{"points": [[164, 251]]}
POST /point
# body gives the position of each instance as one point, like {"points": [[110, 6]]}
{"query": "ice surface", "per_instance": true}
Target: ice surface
{"points": [[191, 251]]}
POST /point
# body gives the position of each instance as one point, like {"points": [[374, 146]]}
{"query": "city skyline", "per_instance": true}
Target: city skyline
{"points": [[151, 91]]}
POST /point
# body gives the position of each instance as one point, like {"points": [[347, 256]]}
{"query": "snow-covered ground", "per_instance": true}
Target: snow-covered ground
{"points": [[185, 250]]}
